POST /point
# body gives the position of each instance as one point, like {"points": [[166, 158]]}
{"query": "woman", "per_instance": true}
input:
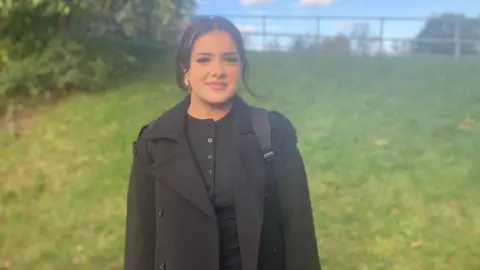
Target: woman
{"points": [[198, 193]]}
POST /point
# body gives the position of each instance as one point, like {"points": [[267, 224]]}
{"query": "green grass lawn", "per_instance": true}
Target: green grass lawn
{"points": [[394, 174]]}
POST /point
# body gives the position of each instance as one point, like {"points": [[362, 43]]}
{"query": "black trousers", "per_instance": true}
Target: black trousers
{"points": [[229, 246]]}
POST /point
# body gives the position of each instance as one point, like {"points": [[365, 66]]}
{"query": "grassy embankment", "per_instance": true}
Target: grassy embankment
{"points": [[391, 147]]}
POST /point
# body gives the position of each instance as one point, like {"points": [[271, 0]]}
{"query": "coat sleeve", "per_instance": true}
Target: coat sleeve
{"points": [[140, 220], [301, 250]]}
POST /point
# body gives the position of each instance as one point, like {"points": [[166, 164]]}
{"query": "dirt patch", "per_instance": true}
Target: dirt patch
{"points": [[29, 108], [23, 116]]}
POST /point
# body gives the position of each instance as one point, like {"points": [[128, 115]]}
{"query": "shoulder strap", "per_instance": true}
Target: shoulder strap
{"points": [[261, 127]]}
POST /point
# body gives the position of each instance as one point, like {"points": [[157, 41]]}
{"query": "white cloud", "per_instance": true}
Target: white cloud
{"points": [[246, 28], [316, 2], [256, 2]]}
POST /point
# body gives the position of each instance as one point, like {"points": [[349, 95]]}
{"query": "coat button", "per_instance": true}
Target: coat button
{"points": [[162, 266], [266, 195], [160, 213], [274, 250]]}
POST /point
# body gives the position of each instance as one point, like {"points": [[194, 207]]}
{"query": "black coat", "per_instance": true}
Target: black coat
{"points": [[171, 222]]}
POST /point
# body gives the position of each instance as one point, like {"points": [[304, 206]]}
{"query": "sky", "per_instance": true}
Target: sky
{"points": [[234, 9]]}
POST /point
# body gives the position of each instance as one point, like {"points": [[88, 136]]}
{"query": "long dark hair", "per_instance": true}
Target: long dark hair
{"points": [[201, 25]]}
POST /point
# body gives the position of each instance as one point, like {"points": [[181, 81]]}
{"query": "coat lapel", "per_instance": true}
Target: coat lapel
{"points": [[176, 168], [249, 189]]}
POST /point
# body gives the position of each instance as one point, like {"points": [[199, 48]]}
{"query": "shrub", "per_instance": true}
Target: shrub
{"points": [[63, 66]]}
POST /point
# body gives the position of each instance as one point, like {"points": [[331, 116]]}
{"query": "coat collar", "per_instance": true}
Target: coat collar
{"points": [[171, 124]]}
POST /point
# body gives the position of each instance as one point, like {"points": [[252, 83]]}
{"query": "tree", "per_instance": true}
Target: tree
{"points": [[446, 26], [44, 19], [302, 43], [62, 45], [298, 44], [339, 44], [273, 45]]}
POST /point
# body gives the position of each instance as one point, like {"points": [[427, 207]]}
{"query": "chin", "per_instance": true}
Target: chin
{"points": [[218, 99]]}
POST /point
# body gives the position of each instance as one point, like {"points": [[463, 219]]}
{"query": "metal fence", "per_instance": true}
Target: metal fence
{"points": [[265, 32]]}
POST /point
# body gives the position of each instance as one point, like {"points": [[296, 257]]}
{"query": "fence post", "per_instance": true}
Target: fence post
{"points": [[458, 44], [317, 37], [382, 26], [264, 31]]}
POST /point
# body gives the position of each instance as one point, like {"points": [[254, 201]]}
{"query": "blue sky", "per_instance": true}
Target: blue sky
{"points": [[400, 29]]}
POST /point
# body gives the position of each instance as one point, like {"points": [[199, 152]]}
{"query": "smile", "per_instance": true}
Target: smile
{"points": [[217, 85]]}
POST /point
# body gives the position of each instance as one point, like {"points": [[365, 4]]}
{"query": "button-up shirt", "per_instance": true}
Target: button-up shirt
{"points": [[212, 146]]}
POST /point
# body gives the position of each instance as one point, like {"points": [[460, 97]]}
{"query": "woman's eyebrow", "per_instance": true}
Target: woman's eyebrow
{"points": [[204, 54], [211, 54]]}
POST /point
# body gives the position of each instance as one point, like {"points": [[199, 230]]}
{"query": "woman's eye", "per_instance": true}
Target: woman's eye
{"points": [[203, 60], [232, 60]]}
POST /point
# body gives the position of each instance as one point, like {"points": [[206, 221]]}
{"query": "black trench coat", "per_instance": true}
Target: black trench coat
{"points": [[171, 222]]}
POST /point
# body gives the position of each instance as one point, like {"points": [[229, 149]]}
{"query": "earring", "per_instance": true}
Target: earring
{"points": [[187, 84]]}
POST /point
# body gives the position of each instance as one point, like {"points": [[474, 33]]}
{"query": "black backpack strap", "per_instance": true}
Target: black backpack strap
{"points": [[261, 127]]}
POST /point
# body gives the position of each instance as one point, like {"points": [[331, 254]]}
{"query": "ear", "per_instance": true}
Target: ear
{"points": [[184, 69]]}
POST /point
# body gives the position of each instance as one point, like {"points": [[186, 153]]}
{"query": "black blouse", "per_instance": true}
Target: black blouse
{"points": [[212, 145]]}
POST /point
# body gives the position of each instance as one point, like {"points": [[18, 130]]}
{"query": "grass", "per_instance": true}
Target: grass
{"points": [[391, 148]]}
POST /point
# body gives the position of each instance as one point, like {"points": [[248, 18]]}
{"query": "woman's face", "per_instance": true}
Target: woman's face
{"points": [[215, 68]]}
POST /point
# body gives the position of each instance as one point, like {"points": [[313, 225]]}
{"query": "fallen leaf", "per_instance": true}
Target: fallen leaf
{"points": [[381, 142], [416, 244], [3, 222], [451, 260], [468, 120], [463, 126], [452, 203], [7, 264]]}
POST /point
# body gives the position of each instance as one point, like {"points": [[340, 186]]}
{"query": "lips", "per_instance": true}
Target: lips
{"points": [[217, 85]]}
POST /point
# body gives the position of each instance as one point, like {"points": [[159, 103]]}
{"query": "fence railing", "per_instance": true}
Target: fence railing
{"points": [[362, 33]]}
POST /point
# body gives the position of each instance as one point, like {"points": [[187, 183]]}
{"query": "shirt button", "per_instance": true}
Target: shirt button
{"points": [[210, 171], [210, 156], [210, 140]]}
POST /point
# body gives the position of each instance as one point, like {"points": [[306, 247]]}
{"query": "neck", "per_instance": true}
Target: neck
{"points": [[203, 110]]}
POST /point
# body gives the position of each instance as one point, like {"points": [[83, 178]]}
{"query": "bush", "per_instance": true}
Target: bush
{"points": [[65, 66]]}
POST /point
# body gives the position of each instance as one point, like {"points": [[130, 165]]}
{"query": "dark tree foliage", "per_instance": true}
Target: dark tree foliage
{"points": [[444, 26]]}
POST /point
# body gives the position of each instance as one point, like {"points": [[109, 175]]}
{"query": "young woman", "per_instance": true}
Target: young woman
{"points": [[198, 196]]}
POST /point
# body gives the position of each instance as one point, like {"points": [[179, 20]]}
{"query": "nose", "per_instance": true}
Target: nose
{"points": [[218, 69]]}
